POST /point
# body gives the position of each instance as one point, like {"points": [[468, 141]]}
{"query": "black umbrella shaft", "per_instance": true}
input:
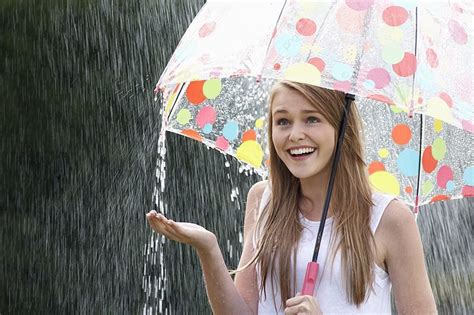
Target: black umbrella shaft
{"points": [[342, 129]]}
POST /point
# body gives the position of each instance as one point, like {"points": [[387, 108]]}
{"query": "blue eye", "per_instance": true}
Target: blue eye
{"points": [[313, 120], [282, 122]]}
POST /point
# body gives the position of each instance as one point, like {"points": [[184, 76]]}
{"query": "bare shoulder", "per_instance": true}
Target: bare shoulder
{"points": [[397, 228], [254, 197]]}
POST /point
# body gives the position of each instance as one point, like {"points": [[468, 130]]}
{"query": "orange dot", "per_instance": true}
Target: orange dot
{"points": [[249, 135], [192, 134], [428, 161], [401, 134], [277, 66], [195, 92], [439, 198], [376, 167], [408, 189]]}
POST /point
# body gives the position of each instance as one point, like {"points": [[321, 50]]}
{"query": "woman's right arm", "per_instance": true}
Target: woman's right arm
{"points": [[224, 296]]}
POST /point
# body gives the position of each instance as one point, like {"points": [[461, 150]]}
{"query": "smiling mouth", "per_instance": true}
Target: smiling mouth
{"points": [[301, 151]]}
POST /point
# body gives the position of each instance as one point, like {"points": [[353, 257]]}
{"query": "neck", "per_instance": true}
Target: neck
{"points": [[314, 195]]}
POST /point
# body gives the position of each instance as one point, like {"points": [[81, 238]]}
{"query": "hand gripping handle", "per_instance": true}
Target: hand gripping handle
{"points": [[310, 278]]}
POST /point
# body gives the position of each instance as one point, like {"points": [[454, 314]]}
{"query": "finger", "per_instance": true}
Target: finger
{"points": [[296, 309], [296, 300]]}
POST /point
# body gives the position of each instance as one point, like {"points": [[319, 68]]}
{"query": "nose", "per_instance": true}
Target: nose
{"points": [[296, 133]]}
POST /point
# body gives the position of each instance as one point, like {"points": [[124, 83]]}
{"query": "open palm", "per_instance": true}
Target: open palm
{"points": [[183, 232]]}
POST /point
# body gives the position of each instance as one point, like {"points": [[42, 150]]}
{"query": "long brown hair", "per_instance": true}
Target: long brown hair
{"points": [[351, 209]]}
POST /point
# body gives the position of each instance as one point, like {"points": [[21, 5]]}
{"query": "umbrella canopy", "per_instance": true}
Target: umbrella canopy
{"points": [[417, 59]]}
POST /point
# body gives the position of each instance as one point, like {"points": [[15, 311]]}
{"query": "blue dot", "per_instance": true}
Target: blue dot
{"points": [[369, 84], [468, 176], [231, 130], [450, 185], [407, 162], [288, 45], [207, 129], [341, 71]]}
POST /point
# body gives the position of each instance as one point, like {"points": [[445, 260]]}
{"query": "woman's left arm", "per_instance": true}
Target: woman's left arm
{"points": [[405, 261]]}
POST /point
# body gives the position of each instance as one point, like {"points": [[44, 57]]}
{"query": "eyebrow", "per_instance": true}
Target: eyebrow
{"points": [[305, 111]]}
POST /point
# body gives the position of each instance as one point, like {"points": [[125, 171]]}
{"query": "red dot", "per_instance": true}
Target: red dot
{"points": [[395, 16], [376, 166], [207, 28], [318, 63], [306, 27], [192, 134], [445, 97], [432, 58], [277, 66], [195, 93], [401, 134], [249, 135], [428, 162], [407, 66]]}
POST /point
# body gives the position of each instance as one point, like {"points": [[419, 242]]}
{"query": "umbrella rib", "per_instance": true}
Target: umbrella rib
{"points": [[271, 39]]}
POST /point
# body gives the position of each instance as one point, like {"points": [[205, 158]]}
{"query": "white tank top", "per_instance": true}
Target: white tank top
{"points": [[330, 289]]}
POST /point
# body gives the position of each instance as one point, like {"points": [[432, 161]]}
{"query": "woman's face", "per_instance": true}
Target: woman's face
{"points": [[303, 139]]}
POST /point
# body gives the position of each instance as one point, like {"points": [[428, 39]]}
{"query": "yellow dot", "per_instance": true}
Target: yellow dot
{"points": [[383, 153], [438, 125], [385, 182], [259, 123], [250, 152]]}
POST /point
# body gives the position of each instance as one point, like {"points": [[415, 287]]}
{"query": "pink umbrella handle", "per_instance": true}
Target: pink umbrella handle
{"points": [[310, 278]]}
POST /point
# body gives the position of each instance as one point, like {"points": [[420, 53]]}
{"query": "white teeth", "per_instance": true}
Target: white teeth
{"points": [[301, 151]]}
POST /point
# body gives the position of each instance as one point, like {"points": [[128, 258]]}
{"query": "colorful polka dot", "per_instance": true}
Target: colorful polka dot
{"points": [[427, 187], [206, 29], [212, 88], [376, 166], [249, 135], [183, 117], [395, 16], [385, 182], [359, 5], [407, 66], [438, 125], [401, 134], [207, 129], [428, 162], [222, 143], [288, 45], [231, 130], [318, 63], [383, 153], [206, 115], [458, 34], [468, 176], [306, 27], [192, 134], [250, 152], [379, 76], [444, 175], [407, 162], [304, 73], [259, 123], [432, 58], [194, 92], [439, 148], [341, 71]]}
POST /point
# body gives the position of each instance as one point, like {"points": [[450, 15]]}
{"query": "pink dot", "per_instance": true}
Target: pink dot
{"points": [[457, 32], [467, 125], [444, 175], [277, 66], [380, 76], [207, 115], [318, 63], [207, 28], [432, 58], [222, 143], [395, 16], [306, 27], [407, 66], [445, 97], [359, 5], [381, 98], [343, 86]]}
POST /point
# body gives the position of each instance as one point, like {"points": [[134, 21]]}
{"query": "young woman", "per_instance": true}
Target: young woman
{"points": [[371, 241]]}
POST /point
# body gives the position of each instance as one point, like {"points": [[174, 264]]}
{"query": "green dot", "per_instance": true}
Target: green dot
{"points": [[395, 109], [427, 187], [438, 149], [183, 117], [212, 88]]}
